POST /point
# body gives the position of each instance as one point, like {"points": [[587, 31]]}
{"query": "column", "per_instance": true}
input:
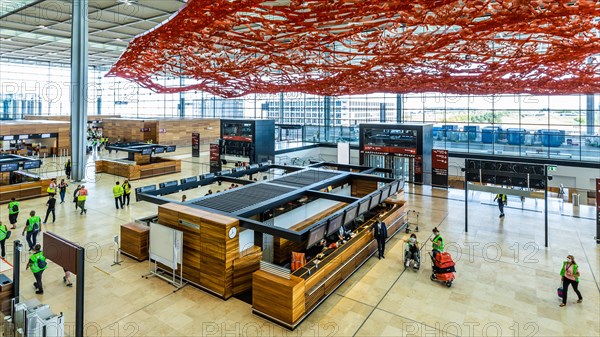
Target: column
{"points": [[590, 115], [79, 85]]}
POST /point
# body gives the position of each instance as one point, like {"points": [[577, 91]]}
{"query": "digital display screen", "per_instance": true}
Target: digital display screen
{"points": [[364, 206], [335, 222], [159, 149], [45, 135], [350, 214], [23, 136], [146, 151], [385, 193], [208, 175], [188, 180], [315, 235], [28, 165], [9, 167], [375, 200], [225, 172], [171, 148], [147, 188], [9, 137]]}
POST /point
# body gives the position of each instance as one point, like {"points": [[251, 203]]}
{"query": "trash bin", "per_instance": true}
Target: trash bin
{"points": [[575, 199]]}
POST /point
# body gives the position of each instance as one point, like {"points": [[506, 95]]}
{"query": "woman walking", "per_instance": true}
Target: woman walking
{"points": [[62, 190], [570, 275]]}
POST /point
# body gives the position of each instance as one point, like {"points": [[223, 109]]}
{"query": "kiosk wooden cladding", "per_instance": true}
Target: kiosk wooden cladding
{"points": [[243, 267], [208, 252], [280, 298]]}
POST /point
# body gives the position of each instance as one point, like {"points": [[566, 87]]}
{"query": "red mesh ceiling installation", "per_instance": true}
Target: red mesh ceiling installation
{"points": [[232, 48]]}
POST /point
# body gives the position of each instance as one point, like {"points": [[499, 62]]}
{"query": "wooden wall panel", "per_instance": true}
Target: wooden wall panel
{"points": [[179, 131], [39, 126], [127, 129], [361, 187]]}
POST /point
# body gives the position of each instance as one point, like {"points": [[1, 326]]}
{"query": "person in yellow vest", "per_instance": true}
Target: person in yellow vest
{"points": [[3, 236], [118, 194], [37, 263], [32, 227], [52, 187], [126, 192], [13, 212], [82, 194]]}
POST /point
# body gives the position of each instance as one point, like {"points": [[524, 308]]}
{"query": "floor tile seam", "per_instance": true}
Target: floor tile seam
{"points": [[138, 310], [388, 290], [588, 262], [413, 320]]}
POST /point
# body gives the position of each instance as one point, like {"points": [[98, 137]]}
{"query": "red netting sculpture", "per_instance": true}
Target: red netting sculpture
{"points": [[231, 48]]}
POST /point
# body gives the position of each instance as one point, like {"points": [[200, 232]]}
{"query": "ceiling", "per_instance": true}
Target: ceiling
{"points": [[349, 47], [40, 30]]}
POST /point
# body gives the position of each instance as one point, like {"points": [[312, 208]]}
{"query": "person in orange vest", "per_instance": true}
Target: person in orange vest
{"points": [[81, 198]]}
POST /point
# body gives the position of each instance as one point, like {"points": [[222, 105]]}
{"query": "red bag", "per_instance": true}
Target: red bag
{"points": [[443, 260], [445, 277]]}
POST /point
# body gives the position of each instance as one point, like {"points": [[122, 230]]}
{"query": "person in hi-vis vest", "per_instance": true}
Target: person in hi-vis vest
{"points": [[501, 199], [126, 192], [32, 227], [118, 194], [82, 194]]}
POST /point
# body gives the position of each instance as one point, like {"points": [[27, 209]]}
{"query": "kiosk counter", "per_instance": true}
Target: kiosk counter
{"points": [[298, 293]]}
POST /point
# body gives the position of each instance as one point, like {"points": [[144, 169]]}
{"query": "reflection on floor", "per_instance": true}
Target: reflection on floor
{"points": [[506, 279]]}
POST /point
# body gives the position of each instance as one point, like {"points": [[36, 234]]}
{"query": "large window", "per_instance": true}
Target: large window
{"points": [[564, 127]]}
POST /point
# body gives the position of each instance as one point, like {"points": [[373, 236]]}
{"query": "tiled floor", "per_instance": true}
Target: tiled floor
{"points": [[505, 286]]}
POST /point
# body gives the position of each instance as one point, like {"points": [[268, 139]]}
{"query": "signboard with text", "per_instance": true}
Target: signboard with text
{"points": [[195, 144], [439, 164], [215, 158]]}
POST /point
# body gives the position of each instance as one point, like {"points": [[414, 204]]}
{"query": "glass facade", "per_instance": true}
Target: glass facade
{"points": [[559, 127]]}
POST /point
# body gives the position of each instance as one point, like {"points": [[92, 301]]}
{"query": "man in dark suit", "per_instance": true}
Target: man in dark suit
{"points": [[380, 234]]}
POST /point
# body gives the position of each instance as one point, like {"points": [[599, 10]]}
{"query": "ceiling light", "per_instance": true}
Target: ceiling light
{"points": [[127, 2], [42, 27], [118, 39]]}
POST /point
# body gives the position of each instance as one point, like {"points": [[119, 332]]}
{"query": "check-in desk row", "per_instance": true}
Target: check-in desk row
{"points": [[142, 167], [289, 300]]}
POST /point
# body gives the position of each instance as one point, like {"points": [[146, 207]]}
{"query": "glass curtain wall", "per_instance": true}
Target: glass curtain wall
{"points": [[559, 127]]}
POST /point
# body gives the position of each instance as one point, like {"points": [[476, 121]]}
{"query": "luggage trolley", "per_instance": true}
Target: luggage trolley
{"points": [[443, 268], [408, 215]]}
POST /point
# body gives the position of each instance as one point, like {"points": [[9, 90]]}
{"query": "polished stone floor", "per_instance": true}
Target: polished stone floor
{"points": [[505, 283]]}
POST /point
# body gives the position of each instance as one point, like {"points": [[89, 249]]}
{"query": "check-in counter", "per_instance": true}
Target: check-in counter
{"points": [[29, 186], [287, 299], [140, 168]]}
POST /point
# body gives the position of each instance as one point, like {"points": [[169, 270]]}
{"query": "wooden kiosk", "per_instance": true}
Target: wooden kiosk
{"points": [[141, 161], [242, 239]]}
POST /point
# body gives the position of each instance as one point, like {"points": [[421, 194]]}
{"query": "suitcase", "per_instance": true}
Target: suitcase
{"points": [[560, 293], [443, 260], [445, 277]]}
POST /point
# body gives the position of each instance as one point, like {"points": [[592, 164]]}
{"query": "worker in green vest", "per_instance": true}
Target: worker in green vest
{"points": [[118, 194], [33, 226], [37, 263], [437, 242], [3, 236], [13, 212], [126, 192]]}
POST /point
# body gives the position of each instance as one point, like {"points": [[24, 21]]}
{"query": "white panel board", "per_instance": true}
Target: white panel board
{"points": [[343, 153], [166, 245]]}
